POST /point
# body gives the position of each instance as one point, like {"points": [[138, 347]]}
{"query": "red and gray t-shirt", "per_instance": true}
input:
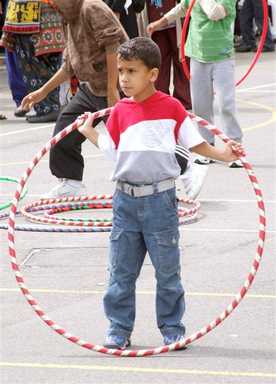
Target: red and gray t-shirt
{"points": [[141, 138]]}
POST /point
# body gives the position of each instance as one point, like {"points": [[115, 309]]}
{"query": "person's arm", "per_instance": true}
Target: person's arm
{"points": [[112, 79], [35, 97], [190, 137], [178, 11], [230, 152], [213, 10]]}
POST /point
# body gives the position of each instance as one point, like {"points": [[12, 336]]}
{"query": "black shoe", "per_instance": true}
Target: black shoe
{"points": [[50, 117], [245, 48], [265, 49], [19, 112]]}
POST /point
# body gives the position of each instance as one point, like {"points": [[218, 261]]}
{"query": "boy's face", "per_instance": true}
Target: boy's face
{"points": [[136, 80]]}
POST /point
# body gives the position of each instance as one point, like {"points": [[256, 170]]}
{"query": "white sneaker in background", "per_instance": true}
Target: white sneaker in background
{"points": [[203, 160], [31, 112], [235, 164], [193, 179], [65, 188]]}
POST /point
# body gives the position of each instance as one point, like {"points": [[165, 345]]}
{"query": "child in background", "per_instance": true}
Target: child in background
{"points": [[143, 130], [210, 48]]}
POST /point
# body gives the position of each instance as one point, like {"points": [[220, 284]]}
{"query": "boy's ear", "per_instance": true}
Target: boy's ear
{"points": [[154, 74]]}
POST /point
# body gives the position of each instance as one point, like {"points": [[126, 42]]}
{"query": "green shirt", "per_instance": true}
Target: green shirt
{"points": [[210, 41]]}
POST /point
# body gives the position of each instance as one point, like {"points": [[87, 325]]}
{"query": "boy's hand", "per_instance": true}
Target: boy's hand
{"points": [[233, 151], [86, 127]]}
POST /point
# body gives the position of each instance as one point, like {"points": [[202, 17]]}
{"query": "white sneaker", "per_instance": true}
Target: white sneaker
{"points": [[65, 188], [203, 160], [235, 164], [193, 179]]}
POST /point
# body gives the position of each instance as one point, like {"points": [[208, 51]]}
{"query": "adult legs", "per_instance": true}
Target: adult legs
{"points": [[246, 24], [66, 160], [258, 14], [161, 38], [36, 71], [16, 83], [202, 94], [224, 86], [181, 83]]}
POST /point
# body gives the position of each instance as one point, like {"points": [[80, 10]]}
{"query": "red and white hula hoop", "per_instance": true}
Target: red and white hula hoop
{"points": [[97, 202], [144, 352], [255, 58]]}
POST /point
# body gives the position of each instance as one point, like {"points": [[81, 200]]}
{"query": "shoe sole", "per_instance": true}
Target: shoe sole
{"points": [[116, 346]]}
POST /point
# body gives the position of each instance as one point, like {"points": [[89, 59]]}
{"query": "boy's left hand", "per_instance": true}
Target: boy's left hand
{"points": [[233, 151]]}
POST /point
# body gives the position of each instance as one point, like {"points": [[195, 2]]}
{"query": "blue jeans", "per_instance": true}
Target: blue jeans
{"points": [[144, 224], [16, 83]]}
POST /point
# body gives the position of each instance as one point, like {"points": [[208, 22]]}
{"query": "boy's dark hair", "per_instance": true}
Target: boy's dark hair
{"points": [[141, 48]]}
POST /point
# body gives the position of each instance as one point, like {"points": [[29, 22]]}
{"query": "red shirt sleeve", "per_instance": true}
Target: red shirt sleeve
{"points": [[113, 128]]}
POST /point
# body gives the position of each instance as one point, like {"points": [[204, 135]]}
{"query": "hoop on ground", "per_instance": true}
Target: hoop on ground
{"points": [[255, 58], [144, 352], [54, 206]]}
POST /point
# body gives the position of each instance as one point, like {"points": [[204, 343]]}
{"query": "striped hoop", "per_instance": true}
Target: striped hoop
{"points": [[144, 352]]}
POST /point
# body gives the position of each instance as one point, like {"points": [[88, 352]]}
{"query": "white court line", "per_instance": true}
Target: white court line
{"points": [[234, 201], [234, 230], [269, 91], [256, 87], [26, 130], [43, 161]]}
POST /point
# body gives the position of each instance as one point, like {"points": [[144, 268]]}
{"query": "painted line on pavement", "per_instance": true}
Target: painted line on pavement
{"points": [[267, 85], [112, 368], [26, 130], [44, 161], [234, 230], [139, 292]]}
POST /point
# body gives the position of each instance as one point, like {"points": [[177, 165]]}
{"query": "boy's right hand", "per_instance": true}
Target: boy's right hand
{"points": [[32, 98], [86, 127]]}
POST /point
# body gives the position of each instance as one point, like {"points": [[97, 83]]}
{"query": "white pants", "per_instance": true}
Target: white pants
{"points": [[210, 81]]}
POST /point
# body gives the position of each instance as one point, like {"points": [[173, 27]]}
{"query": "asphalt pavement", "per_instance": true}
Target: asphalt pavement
{"points": [[67, 272]]}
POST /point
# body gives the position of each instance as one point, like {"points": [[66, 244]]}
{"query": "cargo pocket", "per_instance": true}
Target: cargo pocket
{"points": [[114, 238], [168, 260]]}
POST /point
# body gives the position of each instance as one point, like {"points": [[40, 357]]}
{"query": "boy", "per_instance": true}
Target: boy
{"points": [[142, 133]]}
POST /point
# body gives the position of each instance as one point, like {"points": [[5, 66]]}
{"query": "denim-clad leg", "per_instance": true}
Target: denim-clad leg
{"points": [[165, 256], [141, 224], [161, 236], [127, 253]]}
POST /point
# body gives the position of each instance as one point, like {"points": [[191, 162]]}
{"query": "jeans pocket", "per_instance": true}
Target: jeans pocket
{"points": [[168, 259], [114, 246]]}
